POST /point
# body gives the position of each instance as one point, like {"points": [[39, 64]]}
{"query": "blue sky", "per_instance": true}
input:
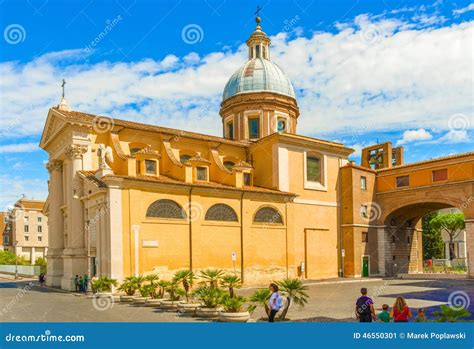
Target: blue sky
{"points": [[364, 71]]}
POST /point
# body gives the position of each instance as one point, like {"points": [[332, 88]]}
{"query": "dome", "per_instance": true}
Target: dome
{"points": [[258, 75]]}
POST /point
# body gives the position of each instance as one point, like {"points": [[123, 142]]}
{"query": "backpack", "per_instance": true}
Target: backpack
{"points": [[279, 302]]}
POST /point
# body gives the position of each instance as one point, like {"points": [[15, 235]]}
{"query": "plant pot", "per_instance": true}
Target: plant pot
{"points": [[243, 316], [153, 302], [169, 305], [209, 313], [126, 299], [139, 300], [188, 308]]}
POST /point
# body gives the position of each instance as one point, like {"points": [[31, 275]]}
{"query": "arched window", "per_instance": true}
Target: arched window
{"points": [[268, 215], [165, 209], [221, 212]]}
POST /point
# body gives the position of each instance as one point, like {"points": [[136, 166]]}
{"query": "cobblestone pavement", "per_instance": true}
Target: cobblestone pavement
{"points": [[26, 301]]}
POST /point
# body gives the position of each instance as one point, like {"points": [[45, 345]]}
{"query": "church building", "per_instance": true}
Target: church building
{"points": [[127, 198]]}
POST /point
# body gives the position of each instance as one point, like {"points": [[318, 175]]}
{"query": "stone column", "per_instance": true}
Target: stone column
{"points": [[55, 224], [75, 256], [470, 246], [381, 254]]}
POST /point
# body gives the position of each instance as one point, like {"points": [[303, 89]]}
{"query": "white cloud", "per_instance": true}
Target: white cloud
{"points": [[19, 148], [375, 73], [414, 135], [460, 11], [454, 136]]}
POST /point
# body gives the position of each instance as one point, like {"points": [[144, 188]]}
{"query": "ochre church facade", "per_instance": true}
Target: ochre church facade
{"points": [[262, 201]]}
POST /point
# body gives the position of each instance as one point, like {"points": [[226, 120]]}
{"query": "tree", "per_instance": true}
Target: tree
{"points": [[295, 291], [451, 223], [433, 245], [231, 282], [449, 314]]}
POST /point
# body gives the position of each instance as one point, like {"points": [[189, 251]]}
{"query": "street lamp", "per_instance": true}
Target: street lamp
{"points": [[15, 244]]}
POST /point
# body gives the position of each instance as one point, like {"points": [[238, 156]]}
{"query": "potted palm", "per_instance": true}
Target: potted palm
{"points": [[231, 282], [153, 299], [211, 277], [233, 309], [260, 298], [211, 299], [144, 292], [175, 292], [294, 290], [102, 286], [129, 286], [186, 278]]}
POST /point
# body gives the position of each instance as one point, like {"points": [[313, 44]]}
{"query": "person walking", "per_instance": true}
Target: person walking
{"points": [[275, 302], [400, 311], [76, 283], [364, 308], [42, 279]]}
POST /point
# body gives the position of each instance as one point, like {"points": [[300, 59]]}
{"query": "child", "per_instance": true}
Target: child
{"points": [[384, 316], [275, 302], [421, 316]]}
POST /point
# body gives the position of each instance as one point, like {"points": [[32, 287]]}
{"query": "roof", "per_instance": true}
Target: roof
{"points": [[449, 157], [99, 119], [258, 75], [90, 175], [168, 180], [30, 204]]}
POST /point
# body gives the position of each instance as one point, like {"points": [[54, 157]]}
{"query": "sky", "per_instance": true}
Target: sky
{"points": [[363, 71]]}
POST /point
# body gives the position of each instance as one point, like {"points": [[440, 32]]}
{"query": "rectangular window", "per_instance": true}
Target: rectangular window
{"points": [[40, 229], [365, 236], [27, 229], [247, 179], [257, 51], [440, 175], [27, 238], [230, 130], [26, 219], [39, 219], [254, 128], [150, 167], [403, 181], [6, 240], [313, 169], [201, 173], [363, 183], [40, 238], [364, 211]]}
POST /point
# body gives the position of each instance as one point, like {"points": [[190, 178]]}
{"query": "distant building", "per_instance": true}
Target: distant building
{"points": [[26, 229], [5, 242]]}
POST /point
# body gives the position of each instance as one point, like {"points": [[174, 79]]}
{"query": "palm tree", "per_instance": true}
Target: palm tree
{"points": [[129, 286], [450, 314], [295, 291], [162, 285], [231, 282], [212, 276], [174, 290], [186, 277], [152, 285], [260, 298]]}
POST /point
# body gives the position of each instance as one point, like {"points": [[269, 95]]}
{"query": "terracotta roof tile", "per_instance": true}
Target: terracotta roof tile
{"points": [[90, 175]]}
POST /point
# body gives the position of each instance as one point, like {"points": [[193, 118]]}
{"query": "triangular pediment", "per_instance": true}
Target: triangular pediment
{"points": [[54, 123]]}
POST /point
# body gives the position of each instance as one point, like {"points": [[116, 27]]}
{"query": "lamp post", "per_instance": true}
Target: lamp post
{"points": [[15, 244]]}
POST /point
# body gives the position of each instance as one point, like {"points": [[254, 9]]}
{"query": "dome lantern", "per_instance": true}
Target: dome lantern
{"points": [[258, 99]]}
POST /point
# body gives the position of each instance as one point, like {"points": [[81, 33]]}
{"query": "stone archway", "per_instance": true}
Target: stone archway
{"points": [[399, 231]]}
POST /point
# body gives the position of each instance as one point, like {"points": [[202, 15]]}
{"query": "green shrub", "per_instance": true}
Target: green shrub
{"points": [[41, 262]]}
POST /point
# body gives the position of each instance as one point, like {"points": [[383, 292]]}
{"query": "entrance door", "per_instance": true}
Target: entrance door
{"points": [[365, 266]]}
